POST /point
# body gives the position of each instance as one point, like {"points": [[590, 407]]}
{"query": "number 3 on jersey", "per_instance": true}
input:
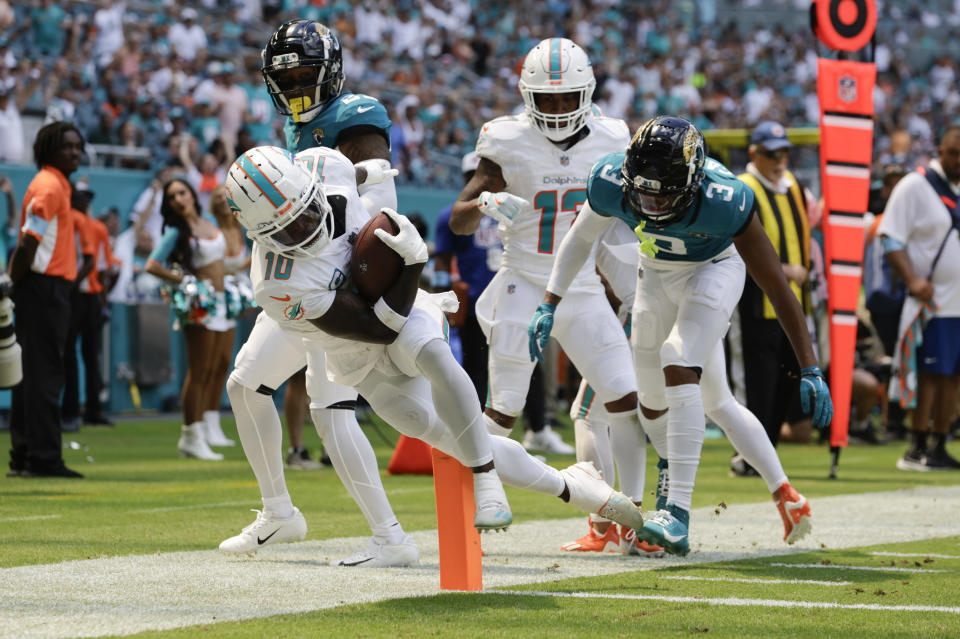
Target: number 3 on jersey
{"points": [[546, 203]]}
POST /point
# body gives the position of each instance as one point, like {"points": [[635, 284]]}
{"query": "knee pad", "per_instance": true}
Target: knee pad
{"points": [[235, 386], [411, 415], [326, 419]]}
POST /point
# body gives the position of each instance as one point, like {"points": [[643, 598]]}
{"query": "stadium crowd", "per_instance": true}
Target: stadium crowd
{"points": [[150, 74]]}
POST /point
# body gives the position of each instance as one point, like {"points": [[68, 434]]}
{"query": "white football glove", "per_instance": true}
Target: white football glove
{"points": [[407, 243], [377, 171], [502, 206]]}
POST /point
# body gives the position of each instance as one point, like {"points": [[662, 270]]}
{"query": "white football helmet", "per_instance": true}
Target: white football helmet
{"points": [[282, 205], [557, 65]]}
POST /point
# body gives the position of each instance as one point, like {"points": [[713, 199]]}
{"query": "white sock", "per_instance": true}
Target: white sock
{"points": [[518, 468], [685, 426], [748, 436], [630, 451], [353, 458], [656, 430], [494, 428], [279, 506], [261, 436], [592, 438], [455, 400]]}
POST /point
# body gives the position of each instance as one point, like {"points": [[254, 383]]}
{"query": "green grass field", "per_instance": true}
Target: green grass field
{"points": [[139, 499]]}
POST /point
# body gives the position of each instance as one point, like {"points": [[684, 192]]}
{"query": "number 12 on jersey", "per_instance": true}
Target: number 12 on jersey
{"points": [[546, 202]]}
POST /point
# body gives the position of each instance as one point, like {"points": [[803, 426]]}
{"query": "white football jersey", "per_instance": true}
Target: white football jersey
{"points": [[552, 180], [293, 290]]}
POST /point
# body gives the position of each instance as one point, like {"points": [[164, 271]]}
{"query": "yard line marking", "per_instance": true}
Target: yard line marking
{"points": [[914, 554], [871, 568], [728, 601], [31, 518], [162, 509], [744, 580]]}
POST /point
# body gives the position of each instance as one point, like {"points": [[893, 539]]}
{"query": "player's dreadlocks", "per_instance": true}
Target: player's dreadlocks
{"points": [[49, 140]]}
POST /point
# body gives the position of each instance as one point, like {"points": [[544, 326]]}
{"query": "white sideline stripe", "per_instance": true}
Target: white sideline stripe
{"points": [[868, 568], [846, 269], [846, 220], [848, 123], [728, 601], [914, 554], [219, 504], [841, 170], [744, 580], [32, 518], [158, 591]]}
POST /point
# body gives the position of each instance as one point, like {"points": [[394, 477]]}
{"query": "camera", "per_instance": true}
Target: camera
{"points": [[11, 365]]}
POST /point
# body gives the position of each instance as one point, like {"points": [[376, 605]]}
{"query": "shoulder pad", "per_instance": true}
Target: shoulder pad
{"points": [[357, 109]]}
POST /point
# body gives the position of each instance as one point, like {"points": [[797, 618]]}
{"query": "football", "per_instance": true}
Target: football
{"points": [[374, 266]]}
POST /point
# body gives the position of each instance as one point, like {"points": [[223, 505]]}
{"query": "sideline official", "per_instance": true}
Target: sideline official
{"points": [[43, 268]]}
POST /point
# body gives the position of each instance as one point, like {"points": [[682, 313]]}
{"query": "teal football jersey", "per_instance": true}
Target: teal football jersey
{"points": [[720, 211], [346, 111]]}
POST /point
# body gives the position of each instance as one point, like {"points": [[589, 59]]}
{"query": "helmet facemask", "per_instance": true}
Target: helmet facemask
{"points": [[297, 46], [282, 206], [663, 170], [557, 66]]}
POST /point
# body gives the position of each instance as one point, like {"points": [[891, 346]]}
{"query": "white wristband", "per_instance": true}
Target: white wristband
{"points": [[388, 316]]}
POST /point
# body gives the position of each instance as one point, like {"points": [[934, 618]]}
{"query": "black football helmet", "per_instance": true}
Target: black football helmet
{"points": [[663, 169], [296, 45]]}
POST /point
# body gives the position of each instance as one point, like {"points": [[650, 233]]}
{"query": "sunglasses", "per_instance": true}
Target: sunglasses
{"points": [[779, 154]]}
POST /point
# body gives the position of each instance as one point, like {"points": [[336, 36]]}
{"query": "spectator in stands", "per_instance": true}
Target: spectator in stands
{"points": [[919, 231], [190, 256], [108, 25], [13, 99], [229, 103], [205, 175], [187, 38], [42, 281], [49, 24]]}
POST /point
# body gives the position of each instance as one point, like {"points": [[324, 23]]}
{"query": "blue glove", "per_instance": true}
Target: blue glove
{"points": [[813, 388], [539, 330]]}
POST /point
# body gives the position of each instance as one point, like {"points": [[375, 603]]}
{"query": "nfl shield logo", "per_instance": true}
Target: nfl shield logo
{"points": [[564, 160], [847, 89], [511, 288]]}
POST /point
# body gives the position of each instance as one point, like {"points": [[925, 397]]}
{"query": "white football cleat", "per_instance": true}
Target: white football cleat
{"points": [[493, 511], [193, 443], [591, 494], [377, 555], [265, 530], [546, 441]]}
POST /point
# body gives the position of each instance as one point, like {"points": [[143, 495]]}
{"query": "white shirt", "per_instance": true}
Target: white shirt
{"points": [[917, 217], [11, 133]]}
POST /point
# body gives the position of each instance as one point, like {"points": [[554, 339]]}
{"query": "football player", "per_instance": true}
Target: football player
{"points": [[699, 233], [303, 214], [532, 180], [302, 69]]}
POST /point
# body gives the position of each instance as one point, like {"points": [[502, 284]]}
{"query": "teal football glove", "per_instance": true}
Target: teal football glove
{"points": [[539, 330], [815, 396]]}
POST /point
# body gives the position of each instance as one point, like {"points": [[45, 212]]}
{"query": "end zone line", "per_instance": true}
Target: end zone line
{"points": [[743, 580], [871, 568], [913, 554], [727, 601]]}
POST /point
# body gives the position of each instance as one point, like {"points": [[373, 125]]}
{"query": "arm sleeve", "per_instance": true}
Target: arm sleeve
{"points": [[163, 250], [575, 248]]}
